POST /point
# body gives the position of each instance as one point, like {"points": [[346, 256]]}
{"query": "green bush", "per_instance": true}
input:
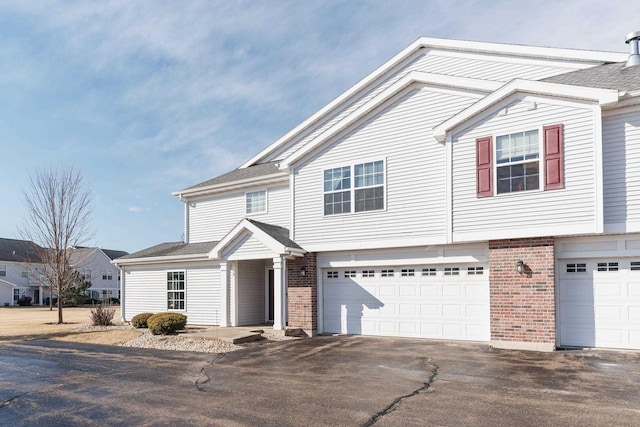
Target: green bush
{"points": [[166, 323], [140, 320]]}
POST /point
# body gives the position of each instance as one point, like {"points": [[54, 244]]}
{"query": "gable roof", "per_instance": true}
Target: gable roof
{"points": [[557, 54], [608, 76], [236, 178], [113, 254], [274, 237], [601, 96], [19, 251]]}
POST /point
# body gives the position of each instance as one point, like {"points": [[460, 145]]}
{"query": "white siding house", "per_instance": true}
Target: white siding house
{"points": [[463, 190]]}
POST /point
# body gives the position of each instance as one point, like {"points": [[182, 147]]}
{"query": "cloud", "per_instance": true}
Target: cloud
{"points": [[137, 209]]}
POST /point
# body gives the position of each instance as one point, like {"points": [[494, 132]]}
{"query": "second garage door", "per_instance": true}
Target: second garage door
{"points": [[446, 301]]}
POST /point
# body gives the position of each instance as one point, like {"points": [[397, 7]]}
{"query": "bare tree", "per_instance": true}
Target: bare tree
{"points": [[59, 208]]}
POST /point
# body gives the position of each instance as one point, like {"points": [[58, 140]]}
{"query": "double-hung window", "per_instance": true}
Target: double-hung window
{"points": [[175, 290], [3, 269], [256, 201], [518, 162], [362, 183]]}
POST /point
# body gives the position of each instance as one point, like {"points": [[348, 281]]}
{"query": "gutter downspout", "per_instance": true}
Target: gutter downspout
{"points": [[186, 218], [122, 296]]}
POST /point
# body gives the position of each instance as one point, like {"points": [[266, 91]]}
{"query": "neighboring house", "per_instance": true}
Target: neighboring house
{"points": [[94, 265], [18, 262], [20, 271], [463, 191]]}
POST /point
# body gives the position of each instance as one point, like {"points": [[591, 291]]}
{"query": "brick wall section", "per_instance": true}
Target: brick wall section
{"points": [[302, 294], [522, 306]]}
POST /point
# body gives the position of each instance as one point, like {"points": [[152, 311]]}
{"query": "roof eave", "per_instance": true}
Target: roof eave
{"points": [[160, 259], [234, 185]]}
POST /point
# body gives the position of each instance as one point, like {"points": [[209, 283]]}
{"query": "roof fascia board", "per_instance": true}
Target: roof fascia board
{"points": [[233, 185], [373, 76], [448, 44], [159, 259], [604, 97], [414, 77]]}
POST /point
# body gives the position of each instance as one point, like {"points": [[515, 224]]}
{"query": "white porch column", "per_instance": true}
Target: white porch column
{"points": [[279, 294], [224, 304]]}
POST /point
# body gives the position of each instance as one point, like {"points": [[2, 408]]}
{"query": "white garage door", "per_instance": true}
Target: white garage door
{"points": [[599, 303], [448, 302]]}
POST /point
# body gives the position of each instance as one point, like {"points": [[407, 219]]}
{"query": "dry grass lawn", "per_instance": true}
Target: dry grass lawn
{"points": [[29, 323]]}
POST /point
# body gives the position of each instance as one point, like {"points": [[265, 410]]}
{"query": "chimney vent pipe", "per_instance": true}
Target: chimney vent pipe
{"points": [[634, 56]]}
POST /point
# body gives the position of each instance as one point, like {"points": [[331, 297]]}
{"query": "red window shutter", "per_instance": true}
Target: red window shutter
{"points": [[553, 157], [484, 166]]}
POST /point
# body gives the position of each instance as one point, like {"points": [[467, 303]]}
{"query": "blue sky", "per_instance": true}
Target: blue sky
{"points": [[149, 97]]}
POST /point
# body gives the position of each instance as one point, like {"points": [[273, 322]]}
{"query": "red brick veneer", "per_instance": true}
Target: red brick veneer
{"points": [[302, 294], [522, 305]]}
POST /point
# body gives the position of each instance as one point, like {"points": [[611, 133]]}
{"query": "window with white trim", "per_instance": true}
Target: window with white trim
{"points": [[175, 290], [366, 190], [518, 162], [475, 271], [255, 201], [16, 296], [579, 267], [107, 275], [407, 272], [428, 271], [3, 269], [387, 273], [25, 271], [451, 271], [85, 274], [608, 266]]}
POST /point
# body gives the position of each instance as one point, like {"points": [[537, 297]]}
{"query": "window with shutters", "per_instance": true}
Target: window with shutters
{"points": [[520, 161], [356, 188]]}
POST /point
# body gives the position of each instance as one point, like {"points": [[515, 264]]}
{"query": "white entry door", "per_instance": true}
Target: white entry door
{"points": [[599, 303], [445, 301]]}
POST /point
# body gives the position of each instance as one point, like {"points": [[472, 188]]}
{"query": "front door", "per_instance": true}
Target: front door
{"points": [[36, 297], [269, 296]]}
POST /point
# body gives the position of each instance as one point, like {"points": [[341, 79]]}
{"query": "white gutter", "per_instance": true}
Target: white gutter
{"points": [[159, 259], [227, 186]]}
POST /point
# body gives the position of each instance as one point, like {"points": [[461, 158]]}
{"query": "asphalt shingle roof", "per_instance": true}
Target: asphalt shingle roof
{"points": [[113, 254], [281, 234], [19, 250], [608, 76], [239, 175], [173, 249]]}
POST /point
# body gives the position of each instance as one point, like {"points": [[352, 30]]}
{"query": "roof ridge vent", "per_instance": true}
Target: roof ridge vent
{"points": [[634, 55]]}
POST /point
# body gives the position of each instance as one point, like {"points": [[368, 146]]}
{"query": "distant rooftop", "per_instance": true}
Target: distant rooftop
{"points": [[19, 251]]}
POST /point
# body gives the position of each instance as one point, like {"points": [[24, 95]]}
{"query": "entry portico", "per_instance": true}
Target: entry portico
{"points": [[253, 264]]}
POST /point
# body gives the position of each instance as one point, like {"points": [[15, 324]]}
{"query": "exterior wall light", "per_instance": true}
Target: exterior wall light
{"points": [[303, 271], [520, 266]]}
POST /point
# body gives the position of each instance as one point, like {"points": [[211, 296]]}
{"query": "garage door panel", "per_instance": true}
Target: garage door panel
{"points": [[599, 308], [407, 304]]}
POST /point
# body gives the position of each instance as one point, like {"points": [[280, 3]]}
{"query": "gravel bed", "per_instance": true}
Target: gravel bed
{"points": [[180, 343]]}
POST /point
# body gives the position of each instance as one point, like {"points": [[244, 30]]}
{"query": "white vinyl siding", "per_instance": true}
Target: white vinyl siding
{"points": [[251, 295], [535, 212], [621, 155], [415, 174], [247, 247], [495, 68], [211, 218], [146, 291]]}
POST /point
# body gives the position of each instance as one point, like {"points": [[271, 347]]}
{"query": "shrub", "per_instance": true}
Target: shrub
{"points": [[140, 320], [102, 315], [166, 323]]}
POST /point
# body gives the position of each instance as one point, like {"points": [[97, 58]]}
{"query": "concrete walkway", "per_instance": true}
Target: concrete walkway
{"points": [[236, 334]]}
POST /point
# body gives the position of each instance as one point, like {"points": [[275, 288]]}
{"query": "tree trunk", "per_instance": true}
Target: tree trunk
{"points": [[50, 298], [60, 304]]}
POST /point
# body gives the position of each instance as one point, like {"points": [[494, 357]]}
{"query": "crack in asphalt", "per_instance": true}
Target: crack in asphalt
{"points": [[396, 402], [200, 381], [10, 400]]}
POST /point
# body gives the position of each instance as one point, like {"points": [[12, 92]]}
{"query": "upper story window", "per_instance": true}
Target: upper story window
{"points": [[256, 201], [107, 275], [517, 162], [366, 189], [25, 271], [520, 161], [85, 274], [3, 269]]}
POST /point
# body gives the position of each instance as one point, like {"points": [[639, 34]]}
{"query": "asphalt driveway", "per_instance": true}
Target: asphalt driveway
{"points": [[351, 381]]}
